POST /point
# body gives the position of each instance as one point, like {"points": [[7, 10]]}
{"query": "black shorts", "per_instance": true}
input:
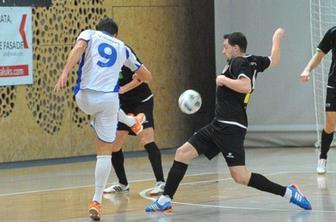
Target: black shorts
{"points": [[135, 108], [220, 137], [330, 105]]}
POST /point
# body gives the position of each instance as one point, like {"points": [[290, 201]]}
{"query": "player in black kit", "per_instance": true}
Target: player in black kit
{"points": [[327, 43], [226, 133], [136, 98]]}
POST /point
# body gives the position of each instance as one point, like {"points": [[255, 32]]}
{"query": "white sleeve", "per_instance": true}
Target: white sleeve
{"points": [[85, 35], [131, 60]]}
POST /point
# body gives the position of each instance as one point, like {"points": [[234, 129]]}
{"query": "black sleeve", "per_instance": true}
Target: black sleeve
{"points": [[263, 62], [240, 66], [127, 71], [137, 58], [326, 43]]}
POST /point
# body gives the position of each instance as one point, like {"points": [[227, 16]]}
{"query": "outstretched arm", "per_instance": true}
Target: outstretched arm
{"points": [[312, 64], [143, 74], [131, 85], [276, 43], [241, 85], [74, 56]]}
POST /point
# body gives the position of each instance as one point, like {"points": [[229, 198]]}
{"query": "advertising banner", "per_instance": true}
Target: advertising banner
{"points": [[16, 56]]}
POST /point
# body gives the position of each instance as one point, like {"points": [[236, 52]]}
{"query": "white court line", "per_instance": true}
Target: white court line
{"points": [[83, 186], [143, 194], [145, 180], [247, 208]]}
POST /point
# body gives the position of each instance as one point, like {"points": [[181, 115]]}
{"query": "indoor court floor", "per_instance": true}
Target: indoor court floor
{"points": [[61, 192]]}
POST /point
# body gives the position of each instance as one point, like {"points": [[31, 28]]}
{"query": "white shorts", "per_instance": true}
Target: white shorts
{"points": [[103, 108]]}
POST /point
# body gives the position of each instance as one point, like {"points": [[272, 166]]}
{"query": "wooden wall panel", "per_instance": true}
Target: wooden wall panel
{"points": [[36, 123]]}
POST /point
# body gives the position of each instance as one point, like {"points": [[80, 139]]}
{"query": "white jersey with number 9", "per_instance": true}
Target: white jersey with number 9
{"points": [[102, 61]]}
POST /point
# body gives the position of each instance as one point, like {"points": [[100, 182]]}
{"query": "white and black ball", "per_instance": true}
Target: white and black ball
{"points": [[190, 101]]}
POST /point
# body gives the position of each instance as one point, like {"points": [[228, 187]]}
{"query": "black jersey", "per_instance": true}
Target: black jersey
{"points": [[135, 95], [231, 105], [329, 43]]}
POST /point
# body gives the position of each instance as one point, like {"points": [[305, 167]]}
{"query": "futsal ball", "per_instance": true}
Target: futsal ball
{"points": [[190, 101]]}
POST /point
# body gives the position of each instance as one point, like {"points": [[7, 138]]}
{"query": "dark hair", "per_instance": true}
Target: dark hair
{"points": [[237, 38], [107, 25]]}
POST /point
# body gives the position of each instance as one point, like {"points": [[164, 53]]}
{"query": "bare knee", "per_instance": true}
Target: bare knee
{"points": [[119, 140], [330, 122], [144, 141], [329, 128], [241, 176], [239, 179], [103, 148], [146, 136], [186, 153], [115, 148]]}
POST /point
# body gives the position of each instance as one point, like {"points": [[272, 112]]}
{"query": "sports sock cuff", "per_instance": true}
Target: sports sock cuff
{"points": [[150, 146], [180, 165], [327, 134], [104, 156], [118, 152]]}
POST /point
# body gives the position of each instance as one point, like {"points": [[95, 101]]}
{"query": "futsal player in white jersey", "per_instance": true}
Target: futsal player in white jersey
{"points": [[101, 57]]}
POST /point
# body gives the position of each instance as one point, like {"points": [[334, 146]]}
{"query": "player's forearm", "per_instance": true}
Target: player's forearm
{"points": [[131, 85], [276, 44], [73, 58], [143, 74], [275, 53], [315, 61], [242, 85]]}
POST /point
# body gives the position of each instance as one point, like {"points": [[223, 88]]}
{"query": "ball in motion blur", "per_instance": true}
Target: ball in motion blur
{"points": [[190, 101]]}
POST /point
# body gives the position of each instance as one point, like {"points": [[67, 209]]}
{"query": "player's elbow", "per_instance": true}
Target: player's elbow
{"points": [[275, 61], [80, 46], [149, 76], [246, 89], [144, 74]]}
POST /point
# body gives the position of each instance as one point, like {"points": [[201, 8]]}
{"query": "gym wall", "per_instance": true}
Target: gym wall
{"points": [[173, 38], [281, 109]]}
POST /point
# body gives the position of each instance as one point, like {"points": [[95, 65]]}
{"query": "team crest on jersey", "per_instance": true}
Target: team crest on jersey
{"points": [[253, 63]]}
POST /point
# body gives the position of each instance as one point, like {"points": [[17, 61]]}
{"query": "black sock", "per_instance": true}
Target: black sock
{"points": [[326, 140], [118, 165], [174, 178], [154, 156], [262, 183]]}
